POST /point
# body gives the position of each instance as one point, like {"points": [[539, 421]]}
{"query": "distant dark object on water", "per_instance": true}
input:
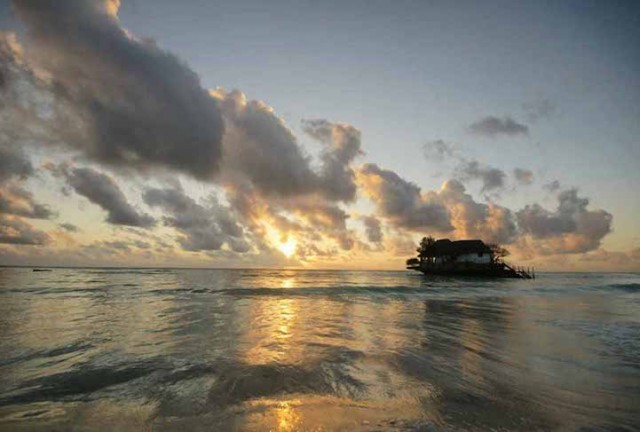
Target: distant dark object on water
{"points": [[465, 258], [39, 270]]}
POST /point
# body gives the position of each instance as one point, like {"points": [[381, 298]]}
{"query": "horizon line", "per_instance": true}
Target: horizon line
{"points": [[270, 268]]}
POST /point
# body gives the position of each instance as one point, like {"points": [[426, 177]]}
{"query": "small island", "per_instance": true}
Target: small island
{"points": [[465, 258]]}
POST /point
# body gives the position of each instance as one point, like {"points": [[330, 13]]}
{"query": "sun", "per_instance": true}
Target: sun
{"points": [[288, 248]]}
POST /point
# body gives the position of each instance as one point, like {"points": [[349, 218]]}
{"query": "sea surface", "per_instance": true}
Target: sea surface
{"points": [[284, 350]]}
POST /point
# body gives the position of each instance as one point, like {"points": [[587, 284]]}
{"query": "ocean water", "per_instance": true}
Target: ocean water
{"points": [[283, 350]]}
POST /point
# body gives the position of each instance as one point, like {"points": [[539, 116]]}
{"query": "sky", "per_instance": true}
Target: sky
{"points": [[318, 134]]}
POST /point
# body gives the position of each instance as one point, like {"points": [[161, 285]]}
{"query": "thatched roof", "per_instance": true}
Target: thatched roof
{"points": [[446, 247]]}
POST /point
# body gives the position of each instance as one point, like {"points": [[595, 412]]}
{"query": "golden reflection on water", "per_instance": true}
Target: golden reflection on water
{"points": [[327, 413], [281, 357], [267, 338], [288, 282], [288, 419], [305, 332]]}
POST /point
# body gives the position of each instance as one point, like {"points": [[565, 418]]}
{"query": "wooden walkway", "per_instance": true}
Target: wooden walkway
{"points": [[522, 272]]}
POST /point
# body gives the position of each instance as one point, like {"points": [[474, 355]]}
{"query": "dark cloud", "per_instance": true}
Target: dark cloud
{"points": [[450, 209], [17, 232], [470, 219], [267, 175], [141, 244], [552, 186], [492, 127], [134, 103], [104, 85], [202, 227], [83, 80], [523, 176], [15, 200], [373, 229], [102, 190], [401, 201], [571, 228], [13, 163], [337, 178], [437, 150], [324, 219], [491, 178], [261, 151], [69, 227]]}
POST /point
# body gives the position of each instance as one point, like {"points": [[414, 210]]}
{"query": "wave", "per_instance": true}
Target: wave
{"points": [[333, 291], [628, 287], [78, 382], [51, 353]]}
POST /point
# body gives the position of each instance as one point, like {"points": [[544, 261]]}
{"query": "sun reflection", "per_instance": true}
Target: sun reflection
{"points": [[271, 340], [288, 283], [288, 419]]}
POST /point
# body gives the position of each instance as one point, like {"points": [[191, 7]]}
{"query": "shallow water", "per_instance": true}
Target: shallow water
{"points": [[190, 350]]}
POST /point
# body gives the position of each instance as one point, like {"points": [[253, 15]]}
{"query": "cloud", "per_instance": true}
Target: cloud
{"points": [[131, 103], [13, 163], [470, 219], [571, 228], [124, 102], [373, 229], [268, 177], [18, 232], [552, 186], [202, 227], [523, 176], [102, 190], [401, 201], [337, 178], [450, 210], [437, 150], [81, 80], [539, 109], [262, 151], [69, 227], [493, 127], [311, 220], [491, 178], [324, 219], [14, 198], [16, 202]]}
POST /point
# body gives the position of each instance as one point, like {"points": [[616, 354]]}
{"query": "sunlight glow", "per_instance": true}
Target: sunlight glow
{"points": [[288, 248]]}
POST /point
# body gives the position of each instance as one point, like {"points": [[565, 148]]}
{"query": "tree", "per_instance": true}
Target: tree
{"points": [[498, 252], [423, 248], [413, 261]]}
